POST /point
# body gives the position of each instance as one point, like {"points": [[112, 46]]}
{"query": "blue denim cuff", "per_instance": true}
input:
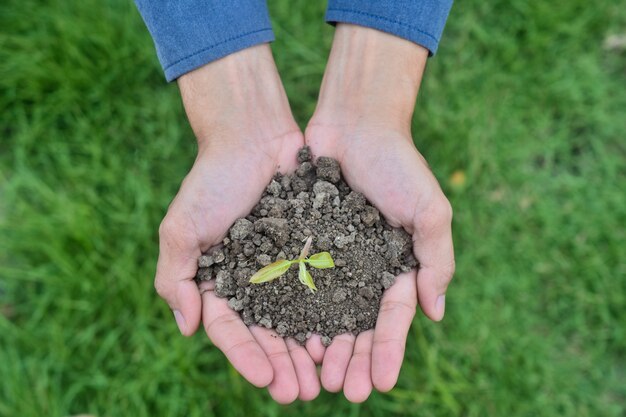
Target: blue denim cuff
{"points": [[190, 33], [420, 21], [214, 51]]}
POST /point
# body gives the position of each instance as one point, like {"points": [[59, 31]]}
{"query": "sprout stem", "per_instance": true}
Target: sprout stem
{"points": [[305, 249]]}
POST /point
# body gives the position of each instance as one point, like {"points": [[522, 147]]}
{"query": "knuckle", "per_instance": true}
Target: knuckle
{"points": [[219, 322], [177, 232], [161, 288], [166, 227], [239, 346], [437, 215], [278, 354], [448, 272], [443, 209], [444, 275], [389, 342], [395, 305], [446, 209], [452, 268]]}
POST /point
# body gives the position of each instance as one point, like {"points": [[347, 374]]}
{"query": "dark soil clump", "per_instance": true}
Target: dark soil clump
{"points": [[314, 201]]}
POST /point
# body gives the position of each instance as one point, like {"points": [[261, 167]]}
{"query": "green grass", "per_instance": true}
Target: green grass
{"points": [[521, 98]]}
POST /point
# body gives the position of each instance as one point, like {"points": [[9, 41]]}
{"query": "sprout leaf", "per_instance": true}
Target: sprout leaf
{"points": [[271, 271], [321, 260], [305, 277], [274, 270]]}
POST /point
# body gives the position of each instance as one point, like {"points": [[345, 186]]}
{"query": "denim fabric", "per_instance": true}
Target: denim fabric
{"points": [[420, 21], [190, 33]]}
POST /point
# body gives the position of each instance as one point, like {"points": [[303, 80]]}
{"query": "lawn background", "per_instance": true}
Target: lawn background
{"points": [[522, 116]]}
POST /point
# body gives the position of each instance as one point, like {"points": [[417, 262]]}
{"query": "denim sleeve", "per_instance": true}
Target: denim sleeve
{"points": [[420, 21], [190, 33]]}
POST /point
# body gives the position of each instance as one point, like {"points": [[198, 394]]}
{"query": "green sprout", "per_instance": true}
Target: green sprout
{"points": [[274, 270]]}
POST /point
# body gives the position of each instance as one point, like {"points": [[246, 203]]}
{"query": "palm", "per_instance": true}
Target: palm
{"points": [[221, 187], [385, 166], [224, 185], [386, 175]]}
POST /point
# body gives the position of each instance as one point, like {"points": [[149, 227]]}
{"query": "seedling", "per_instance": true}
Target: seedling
{"points": [[274, 270]]}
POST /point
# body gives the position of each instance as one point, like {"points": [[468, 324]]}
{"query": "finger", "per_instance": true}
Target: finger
{"points": [[315, 348], [358, 384], [228, 332], [284, 387], [174, 281], [335, 363], [432, 245], [397, 309], [306, 371]]}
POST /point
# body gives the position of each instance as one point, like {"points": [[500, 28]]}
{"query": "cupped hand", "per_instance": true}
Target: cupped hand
{"points": [[385, 166], [246, 134], [363, 120]]}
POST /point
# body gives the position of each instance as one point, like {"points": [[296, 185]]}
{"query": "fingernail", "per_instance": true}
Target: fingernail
{"points": [[440, 305], [180, 321]]}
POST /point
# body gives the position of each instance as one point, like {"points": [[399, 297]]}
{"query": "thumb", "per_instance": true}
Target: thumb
{"points": [[433, 248], [174, 281]]}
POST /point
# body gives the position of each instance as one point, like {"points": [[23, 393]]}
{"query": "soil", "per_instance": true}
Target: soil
{"points": [[314, 201]]}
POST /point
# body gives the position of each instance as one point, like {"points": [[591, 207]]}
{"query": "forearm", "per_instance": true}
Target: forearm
{"points": [[420, 21], [371, 76], [239, 97]]}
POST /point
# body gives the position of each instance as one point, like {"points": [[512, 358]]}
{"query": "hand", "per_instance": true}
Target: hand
{"points": [[363, 121], [246, 133]]}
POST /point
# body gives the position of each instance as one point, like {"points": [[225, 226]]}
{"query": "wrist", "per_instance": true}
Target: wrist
{"points": [[371, 76], [237, 98]]}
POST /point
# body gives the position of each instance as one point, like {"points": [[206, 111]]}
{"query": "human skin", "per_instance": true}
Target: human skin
{"points": [[363, 120], [246, 133], [239, 113]]}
